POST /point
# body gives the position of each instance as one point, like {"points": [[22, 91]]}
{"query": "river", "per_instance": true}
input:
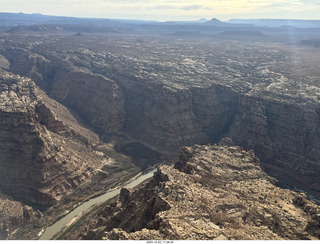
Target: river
{"points": [[54, 229]]}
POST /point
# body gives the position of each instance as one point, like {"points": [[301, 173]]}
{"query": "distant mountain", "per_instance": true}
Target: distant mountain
{"points": [[278, 22], [22, 23], [62, 29], [216, 22], [16, 19]]}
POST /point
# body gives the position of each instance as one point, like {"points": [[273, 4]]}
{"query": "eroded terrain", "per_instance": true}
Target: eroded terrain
{"points": [[83, 112], [213, 193]]}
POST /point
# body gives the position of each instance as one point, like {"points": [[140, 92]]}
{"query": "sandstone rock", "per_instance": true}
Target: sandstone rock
{"points": [[283, 135], [162, 117], [4, 63], [231, 198], [95, 98], [12, 215], [44, 150], [124, 195], [263, 96], [226, 141]]}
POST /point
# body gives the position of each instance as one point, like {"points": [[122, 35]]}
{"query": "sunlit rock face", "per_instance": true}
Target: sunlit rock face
{"points": [[165, 93], [212, 193], [44, 151]]}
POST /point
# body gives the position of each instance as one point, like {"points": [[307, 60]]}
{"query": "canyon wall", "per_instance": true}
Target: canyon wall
{"points": [[284, 135], [44, 150], [95, 98], [165, 101], [162, 117]]}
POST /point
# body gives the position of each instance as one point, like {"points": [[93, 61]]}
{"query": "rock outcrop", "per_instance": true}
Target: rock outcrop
{"points": [[44, 150], [168, 93], [284, 135], [14, 214], [98, 100], [213, 193], [162, 117]]}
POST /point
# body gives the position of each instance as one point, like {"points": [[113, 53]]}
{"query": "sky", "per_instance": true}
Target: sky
{"points": [[165, 10]]}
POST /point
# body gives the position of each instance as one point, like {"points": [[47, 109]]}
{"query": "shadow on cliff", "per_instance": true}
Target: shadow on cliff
{"points": [[142, 156]]}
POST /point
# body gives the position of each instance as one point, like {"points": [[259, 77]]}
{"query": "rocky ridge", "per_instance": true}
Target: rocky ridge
{"points": [[285, 135], [45, 152], [170, 92], [212, 193]]}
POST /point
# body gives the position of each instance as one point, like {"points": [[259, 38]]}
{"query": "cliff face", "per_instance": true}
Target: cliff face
{"points": [[162, 117], [214, 192], [215, 108], [96, 99], [166, 94], [26, 63], [284, 135], [44, 151], [168, 118]]}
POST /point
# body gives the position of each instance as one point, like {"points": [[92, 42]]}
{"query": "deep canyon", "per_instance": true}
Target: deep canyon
{"points": [[82, 112]]}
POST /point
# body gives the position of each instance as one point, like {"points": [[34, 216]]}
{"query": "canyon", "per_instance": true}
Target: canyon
{"points": [[83, 112], [212, 193]]}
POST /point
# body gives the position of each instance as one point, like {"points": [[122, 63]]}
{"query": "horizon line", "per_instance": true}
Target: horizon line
{"points": [[150, 20]]}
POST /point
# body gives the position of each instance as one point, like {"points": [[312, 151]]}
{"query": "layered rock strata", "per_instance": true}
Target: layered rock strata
{"points": [[213, 193], [171, 93], [284, 135], [95, 98], [44, 150]]}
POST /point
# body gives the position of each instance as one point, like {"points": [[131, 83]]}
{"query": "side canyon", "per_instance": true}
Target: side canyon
{"points": [[82, 113]]}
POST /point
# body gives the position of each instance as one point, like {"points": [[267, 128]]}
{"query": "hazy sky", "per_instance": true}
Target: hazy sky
{"points": [[169, 9]]}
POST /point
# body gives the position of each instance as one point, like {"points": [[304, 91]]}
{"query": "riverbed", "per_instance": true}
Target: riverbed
{"points": [[54, 229]]}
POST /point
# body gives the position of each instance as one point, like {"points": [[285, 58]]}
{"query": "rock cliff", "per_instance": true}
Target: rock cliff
{"points": [[284, 135], [44, 150], [95, 98], [212, 193], [167, 93], [162, 117]]}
